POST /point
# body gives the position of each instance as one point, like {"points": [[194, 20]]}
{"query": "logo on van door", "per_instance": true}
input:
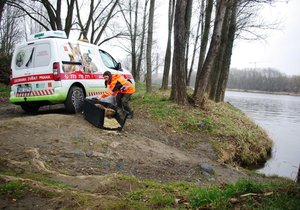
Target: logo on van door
{"points": [[20, 58]]}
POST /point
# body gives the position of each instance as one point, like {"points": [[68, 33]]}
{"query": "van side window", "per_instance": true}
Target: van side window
{"points": [[42, 55], [76, 57], [108, 60]]}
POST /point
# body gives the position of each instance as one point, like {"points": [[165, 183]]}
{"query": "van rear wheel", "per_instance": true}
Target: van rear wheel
{"points": [[30, 108], [74, 102]]}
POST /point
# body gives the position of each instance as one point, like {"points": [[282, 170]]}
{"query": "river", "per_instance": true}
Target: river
{"points": [[279, 116]]}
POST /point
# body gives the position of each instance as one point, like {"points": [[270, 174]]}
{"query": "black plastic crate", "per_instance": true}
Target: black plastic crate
{"points": [[96, 116]]}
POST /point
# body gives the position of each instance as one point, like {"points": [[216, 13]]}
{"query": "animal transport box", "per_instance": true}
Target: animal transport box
{"points": [[96, 115]]}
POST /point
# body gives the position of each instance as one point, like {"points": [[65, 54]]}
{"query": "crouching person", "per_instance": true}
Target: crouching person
{"points": [[121, 88]]}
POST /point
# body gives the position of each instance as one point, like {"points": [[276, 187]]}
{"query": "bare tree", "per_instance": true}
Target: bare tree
{"points": [[245, 12], [10, 32], [222, 83], [2, 4], [197, 36], [204, 41], [167, 64], [97, 21], [132, 23], [188, 18], [149, 47], [53, 16], [215, 75], [139, 63]]}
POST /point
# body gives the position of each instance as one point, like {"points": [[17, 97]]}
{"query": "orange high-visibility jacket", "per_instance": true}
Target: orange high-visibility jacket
{"points": [[117, 85]]}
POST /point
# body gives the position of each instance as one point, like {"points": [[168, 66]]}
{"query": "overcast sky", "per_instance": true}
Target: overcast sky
{"points": [[282, 50]]}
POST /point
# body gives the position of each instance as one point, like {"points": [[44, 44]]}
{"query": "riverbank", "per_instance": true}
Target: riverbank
{"points": [[235, 137], [167, 156]]}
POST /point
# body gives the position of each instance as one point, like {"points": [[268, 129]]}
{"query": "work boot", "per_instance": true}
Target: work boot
{"points": [[121, 113]]}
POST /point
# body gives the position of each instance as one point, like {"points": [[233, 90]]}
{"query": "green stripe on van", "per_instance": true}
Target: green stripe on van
{"points": [[39, 35]]}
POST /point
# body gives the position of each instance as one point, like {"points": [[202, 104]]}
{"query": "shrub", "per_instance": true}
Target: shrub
{"points": [[5, 61]]}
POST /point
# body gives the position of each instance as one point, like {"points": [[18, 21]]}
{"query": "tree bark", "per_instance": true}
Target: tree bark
{"points": [[219, 62], [178, 91]]}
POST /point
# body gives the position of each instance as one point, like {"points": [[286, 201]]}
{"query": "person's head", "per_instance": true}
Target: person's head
{"points": [[107, 77]]}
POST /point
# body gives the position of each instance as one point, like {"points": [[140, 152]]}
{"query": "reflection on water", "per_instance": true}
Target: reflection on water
{"points": [[279, 115]]}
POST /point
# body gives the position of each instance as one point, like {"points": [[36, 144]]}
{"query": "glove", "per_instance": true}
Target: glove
{"points": [[123, 88]]}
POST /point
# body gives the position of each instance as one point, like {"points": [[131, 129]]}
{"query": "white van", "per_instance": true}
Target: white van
{"points": [[51, 69]]}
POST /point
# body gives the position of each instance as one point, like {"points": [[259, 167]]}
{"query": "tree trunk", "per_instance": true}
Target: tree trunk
{"points": [[196, 43], [188, 18], [149, 47], [133, 41], [178, 91], [139, 65], [212, 52], [219, 62], [298, 175], [204, 42], [165, 80], [69, 18], [58, 15], [227, 57]]}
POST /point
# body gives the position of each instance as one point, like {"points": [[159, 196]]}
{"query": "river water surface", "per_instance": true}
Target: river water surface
{"points": [[279, 116]]}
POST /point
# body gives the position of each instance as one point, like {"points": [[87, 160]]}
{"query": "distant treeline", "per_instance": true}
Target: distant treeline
{"points": [[263, 80]]}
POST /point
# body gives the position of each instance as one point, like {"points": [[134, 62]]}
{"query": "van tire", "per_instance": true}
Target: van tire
{"points": [[74, 102], [30, 108]]}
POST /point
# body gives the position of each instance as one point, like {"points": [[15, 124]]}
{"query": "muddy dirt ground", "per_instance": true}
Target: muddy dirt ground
{"points": [[66, 146]]}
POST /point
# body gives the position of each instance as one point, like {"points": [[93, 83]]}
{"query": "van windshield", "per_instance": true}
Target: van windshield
{"points": [[108, 60]]}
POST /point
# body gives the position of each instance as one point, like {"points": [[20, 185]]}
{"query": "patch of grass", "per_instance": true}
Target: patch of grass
{"points": [[14, 189], [147, 194], [157, 106], [126, 204], [246, 194], [236, 137], [158, 200]]}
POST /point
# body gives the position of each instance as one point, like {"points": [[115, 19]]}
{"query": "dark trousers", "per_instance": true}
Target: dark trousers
{"points": [[123, 101]]}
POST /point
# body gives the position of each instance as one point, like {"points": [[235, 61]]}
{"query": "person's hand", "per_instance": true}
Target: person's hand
{"points": [[123, 88]]}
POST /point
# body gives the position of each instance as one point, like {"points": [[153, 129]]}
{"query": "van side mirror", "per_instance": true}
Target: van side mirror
{"points": [[119, 67]]}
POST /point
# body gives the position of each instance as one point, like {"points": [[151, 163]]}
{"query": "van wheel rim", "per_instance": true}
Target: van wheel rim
{"points": [[77, 99]]}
